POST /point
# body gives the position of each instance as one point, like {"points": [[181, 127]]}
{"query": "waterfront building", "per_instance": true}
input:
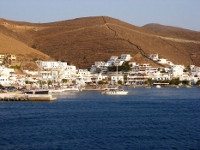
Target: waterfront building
{"points": [[115, 78], [136, 79]]}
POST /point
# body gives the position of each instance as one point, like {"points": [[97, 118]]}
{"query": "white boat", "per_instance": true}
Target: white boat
{"points": [[114, 91], [158, 86], [71, 88], [56, 90]]}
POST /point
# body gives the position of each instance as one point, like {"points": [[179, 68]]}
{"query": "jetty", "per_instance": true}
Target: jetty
{"points": [[26, 97]]}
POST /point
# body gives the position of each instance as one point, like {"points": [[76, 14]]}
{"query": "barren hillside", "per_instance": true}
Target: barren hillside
{"points": [[26, 56], [85, 40]]}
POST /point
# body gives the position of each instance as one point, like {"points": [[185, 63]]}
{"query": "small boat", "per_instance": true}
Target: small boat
{"points": [[158, 86], [71, 88], [56, 90], [114, 91], [188, 86], [39, 91]]}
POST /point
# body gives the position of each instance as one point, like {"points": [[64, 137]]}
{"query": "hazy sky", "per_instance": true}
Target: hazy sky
{"points": [[180, 13]]}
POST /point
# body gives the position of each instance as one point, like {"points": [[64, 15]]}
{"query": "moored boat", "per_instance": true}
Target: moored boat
{"points": [[114, 91], [39, 91], [158, 86]]}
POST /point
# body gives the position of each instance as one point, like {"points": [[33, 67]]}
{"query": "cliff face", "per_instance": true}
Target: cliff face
{"points": [[83, 41]]}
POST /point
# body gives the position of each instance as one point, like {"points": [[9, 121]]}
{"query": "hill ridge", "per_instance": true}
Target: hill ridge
{"points": [[82, 41]]}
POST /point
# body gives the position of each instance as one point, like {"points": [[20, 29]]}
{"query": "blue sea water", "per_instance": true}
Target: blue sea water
{"points": [[157, 119]]}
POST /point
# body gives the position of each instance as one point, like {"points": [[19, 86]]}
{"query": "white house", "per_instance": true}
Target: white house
{"points": [[4, 71], [99, 64], [195, 71], [125, 57], [154, 57], [83, 72], [132, 64], [118, 62], [177, 70], [30, 72], [68, 73], [51, 64], [162, 61], [116, 78], [4, 80], [135, 79], [111, 61], [47, 75]]}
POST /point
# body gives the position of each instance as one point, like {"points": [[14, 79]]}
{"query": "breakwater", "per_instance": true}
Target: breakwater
{"points": [[26, 97]]}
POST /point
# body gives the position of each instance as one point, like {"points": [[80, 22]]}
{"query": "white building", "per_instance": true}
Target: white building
{"points": [[134, 79], [100, 64], [68, 73], [132, 64], [4, 80], [4, 71], [30, 72], [162, 61], [125, 57], [83, 72], [195, 71], [47, 75], [154, 57], [116, 78], [177, 70], [111, 61], [51, 64], [118, 62]]}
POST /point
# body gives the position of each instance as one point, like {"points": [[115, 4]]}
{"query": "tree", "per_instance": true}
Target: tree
{"points": [[125, 66], [16, 67], [112, 68], [198, 82], [185, 82], [49, 82], [74, 81], [101, 82], [42, 82], [64, 80], [1, 86], [119, 82], [149, 81], [175, 81]]}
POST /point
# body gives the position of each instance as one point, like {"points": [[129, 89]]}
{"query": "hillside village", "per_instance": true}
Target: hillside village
{"points": [[117, 70]]}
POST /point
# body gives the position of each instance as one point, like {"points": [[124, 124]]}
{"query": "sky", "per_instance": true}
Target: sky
{"points": [[178, 13]]}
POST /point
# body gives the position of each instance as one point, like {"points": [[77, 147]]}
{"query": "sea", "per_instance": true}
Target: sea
{"points": [[145, 119]]}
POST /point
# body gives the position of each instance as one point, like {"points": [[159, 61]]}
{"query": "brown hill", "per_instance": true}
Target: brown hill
{"points": [[85, 40], [26, 56]]}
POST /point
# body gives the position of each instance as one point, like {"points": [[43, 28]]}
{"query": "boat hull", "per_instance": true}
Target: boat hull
{"points": [[114, 92]]}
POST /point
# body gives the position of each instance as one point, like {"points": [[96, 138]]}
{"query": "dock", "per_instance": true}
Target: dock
{"points": [[26, 97]]}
